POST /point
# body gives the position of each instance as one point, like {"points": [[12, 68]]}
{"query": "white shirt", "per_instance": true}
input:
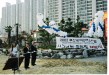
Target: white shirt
{"points": [[15, 52]]}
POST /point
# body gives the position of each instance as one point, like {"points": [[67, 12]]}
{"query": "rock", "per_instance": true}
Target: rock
{"points": [[60, 54], [69, 56], [0, 52], [46, 57], [63, 57], [56, 56], [78, 56], [85, 54]]}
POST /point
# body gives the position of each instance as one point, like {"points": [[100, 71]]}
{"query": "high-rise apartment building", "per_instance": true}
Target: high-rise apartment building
{"points": [[68, 9], [86, 9], [25, 12], [9, 17], [13, 18], [53, 9], [40, 6], [13, 14], [101, 5], [3, 19], [33, 13], [23, 26], [58, 9], [30, 14], [6, 16], [45, 9]]}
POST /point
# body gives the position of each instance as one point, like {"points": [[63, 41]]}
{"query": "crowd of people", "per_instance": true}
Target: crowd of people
{"points": [[29, 53]]}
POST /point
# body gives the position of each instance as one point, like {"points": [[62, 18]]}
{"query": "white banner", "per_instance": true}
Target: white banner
{"points": [[71, 42]]}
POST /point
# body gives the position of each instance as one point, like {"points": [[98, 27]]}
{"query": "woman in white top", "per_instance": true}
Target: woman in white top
{"points": [[14, 53], [14, 50]]}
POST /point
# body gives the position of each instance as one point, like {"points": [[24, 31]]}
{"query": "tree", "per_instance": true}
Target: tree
{"points": [[45, 37], [30, 39], [77, 32], [25, 36], [66, 26], [8, 29], [69, 27], [62, 25], [73, 30], [17, 26]]}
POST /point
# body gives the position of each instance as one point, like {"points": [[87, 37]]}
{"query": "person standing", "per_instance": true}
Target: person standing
{"points": [[14, 54], [26, 52], [14, 51], [34, 53]]}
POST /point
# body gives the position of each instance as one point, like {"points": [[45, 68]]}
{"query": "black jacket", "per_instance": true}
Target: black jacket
{"points": [[34, 51], [26, 52], [33, 48]]}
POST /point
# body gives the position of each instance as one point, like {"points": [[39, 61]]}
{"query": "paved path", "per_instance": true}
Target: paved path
{"points": [[95, 59]]}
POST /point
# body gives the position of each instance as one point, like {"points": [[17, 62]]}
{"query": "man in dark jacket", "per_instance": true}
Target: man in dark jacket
{"points": [[33, 53], [26, 52]]}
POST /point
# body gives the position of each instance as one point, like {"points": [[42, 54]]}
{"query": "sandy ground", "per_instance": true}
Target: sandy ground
{"points": [[93, 65]]}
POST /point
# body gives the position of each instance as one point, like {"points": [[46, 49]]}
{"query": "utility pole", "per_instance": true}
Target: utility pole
{"points": [[17, 32]]}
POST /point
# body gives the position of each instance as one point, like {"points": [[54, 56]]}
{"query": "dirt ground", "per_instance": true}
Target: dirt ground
{"points": [[93, 65]]}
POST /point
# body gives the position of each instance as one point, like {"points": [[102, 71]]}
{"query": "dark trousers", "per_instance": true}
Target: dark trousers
{"points": [[33, 58], [27, 61]]}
